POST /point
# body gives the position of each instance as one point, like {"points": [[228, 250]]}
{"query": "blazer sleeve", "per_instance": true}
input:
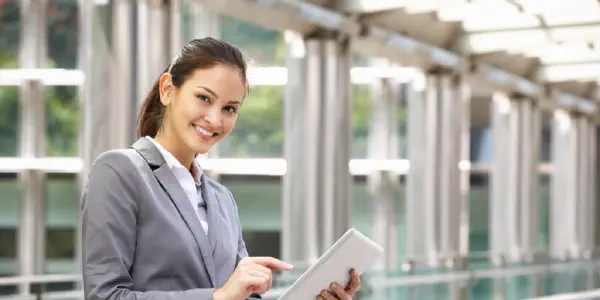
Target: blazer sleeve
{"points": [[242, 251], [109, 211]]}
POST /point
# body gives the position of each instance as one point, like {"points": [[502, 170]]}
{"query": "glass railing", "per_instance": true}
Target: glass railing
{"points": [[482, 281]]}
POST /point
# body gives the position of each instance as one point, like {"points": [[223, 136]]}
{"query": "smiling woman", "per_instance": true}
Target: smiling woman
{"points": [[154, 226]]}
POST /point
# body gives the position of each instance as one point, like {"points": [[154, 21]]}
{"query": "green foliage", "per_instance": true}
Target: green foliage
{"points": [[264, 47], [259, 129]]}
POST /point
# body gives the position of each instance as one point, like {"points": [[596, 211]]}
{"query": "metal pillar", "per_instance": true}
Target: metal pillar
{"points": [[435, 189], [108, 108], [514, 208], [32, 142], [514, 189], [573, 204], [335, 126], [299, 231], [205, 23], [383, 185], [317, 123], [383, 145]]}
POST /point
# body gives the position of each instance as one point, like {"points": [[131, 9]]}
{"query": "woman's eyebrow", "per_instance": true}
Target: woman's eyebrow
{"points": [[209, 90]]}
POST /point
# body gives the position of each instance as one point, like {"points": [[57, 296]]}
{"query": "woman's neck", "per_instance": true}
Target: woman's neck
{"points": [[183, 155]]}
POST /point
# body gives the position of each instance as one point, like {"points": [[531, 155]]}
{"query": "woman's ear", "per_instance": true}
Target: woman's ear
{"points": [[166, 88]]}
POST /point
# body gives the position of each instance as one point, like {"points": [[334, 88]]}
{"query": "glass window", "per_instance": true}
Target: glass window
{"points": [[361, 211], [62, 19], [258, 199], [62, 206], [259, 204], [259, 128], [544, 209], [361, 118], [10, 31], [264, 47], [479, 213], [62, 121], [9, 120], [9, 222]]}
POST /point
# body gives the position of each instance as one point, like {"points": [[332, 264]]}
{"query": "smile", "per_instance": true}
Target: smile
{"points": [[203, 131]]}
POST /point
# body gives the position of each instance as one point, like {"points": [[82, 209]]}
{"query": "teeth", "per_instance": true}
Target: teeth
{"points": [[203, 131]]}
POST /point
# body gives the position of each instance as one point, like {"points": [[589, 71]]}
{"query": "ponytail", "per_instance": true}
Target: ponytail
{"points": [[152, 113]]}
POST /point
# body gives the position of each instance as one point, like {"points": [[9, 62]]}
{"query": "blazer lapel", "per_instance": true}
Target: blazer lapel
{"points": [[213, 209], [171, 185]]}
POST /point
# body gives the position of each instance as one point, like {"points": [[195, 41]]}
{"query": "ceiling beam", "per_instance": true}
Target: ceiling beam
{"points": [[370, 6], [569, 72], [522, 39], [398, 46]]}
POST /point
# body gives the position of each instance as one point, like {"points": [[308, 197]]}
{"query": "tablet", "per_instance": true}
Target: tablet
{"points": [[352, 250]]}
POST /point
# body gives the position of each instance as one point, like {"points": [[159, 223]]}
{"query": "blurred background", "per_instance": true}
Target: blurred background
{"points": [[459, 135]]}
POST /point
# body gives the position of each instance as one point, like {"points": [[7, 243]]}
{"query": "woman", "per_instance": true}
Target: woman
{"points": [[154, 226]]}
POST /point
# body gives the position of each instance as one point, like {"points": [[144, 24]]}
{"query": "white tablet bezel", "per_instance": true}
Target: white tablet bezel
{"points": [[336, 273]]}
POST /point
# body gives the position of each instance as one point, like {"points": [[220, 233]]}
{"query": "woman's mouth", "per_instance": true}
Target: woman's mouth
{"points": [[203, 133]]}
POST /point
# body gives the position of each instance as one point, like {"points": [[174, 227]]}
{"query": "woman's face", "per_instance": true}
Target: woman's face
{"points": [[204, 109]]}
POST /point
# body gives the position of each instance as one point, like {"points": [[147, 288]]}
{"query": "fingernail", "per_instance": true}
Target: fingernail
{"points": [[331, 286]]}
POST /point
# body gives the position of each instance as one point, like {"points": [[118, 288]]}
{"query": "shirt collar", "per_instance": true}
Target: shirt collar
{"points": [[172, 162]]}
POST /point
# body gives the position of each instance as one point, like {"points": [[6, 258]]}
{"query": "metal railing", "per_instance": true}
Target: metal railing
{"points": [[372, 282]]}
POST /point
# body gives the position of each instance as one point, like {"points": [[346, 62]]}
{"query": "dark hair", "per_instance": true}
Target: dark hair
{"points": [[199, 53]]}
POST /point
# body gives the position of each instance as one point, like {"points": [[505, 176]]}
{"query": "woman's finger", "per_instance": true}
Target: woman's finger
{"points": [[326, 295], [339, 291], [354, 282]]}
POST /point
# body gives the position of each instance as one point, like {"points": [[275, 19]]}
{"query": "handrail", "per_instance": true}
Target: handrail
{"points": [[595, 294], [374, 281]]}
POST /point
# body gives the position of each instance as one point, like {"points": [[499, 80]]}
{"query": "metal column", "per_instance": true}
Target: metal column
{"points": [[299, 229], [32, 142], [317, 118], [514, 207], [109, 105], [383, 145], [573, 202], [335, 127], [514, 190], [437, 108], [383, 185]]}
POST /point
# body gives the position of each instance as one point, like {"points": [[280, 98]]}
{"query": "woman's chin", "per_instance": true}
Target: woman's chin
{"points": [[200, 147]]}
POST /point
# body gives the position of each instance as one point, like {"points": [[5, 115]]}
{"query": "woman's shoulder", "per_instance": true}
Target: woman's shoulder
{"points": [[122, 161]]}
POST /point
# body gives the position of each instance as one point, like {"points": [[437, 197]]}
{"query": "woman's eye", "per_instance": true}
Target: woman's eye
{"points": [[231, 109], [204, 98]]}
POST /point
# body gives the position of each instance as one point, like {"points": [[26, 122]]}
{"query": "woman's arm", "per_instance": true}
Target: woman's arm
{"points": [[109, 219]]}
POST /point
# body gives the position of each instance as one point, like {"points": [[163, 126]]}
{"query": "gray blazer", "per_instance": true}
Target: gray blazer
{"points": [[141, 238]]}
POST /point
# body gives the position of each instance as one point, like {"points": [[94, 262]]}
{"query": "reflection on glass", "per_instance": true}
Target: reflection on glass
{"points": [[62, 19], [9, 222], [10, 31], [361, 118], [259, 128], [544, 226], [62, 203], [479, 213], [62, 121], [264, 47], [9, 120]]}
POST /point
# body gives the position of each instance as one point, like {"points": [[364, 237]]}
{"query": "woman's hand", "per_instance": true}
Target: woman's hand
{"points": [[337, 292], [252, 275]]}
